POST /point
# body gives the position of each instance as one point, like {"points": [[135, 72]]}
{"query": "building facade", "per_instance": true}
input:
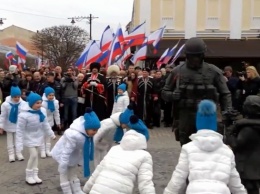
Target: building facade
{"points": [[233, 19]]}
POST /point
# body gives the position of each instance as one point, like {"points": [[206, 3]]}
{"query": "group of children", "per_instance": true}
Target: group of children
{"points": [[206, 162]]}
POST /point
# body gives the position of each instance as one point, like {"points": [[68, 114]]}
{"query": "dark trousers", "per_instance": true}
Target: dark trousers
{"points": [[252, 186], [167, 113], [70, 104]]}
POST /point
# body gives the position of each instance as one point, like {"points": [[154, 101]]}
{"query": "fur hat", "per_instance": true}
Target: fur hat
{"points": [[49, 90], [122, 87], [113, 68], [15, 91], [95, 65], [91, 120], [125, 116], [138, 125], [206, 115], [12, 69], [32, 98], [146, 69]]}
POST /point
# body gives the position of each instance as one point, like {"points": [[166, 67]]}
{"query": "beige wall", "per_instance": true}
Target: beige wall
{"points": [[210, 8], [16, 32]]}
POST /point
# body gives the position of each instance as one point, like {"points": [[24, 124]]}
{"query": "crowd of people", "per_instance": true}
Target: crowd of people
{"points": [[106, 114]]}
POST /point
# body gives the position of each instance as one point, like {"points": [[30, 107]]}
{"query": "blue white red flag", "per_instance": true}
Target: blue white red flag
{"points": [[115, 48], [9, 55], [160, 61], [156, 37], [106, 39], [177, 54], [103, 59], [170, 54], [93, 54], [14, 61], [81, 61], [21, 50], [141, 53], [137, 36]]}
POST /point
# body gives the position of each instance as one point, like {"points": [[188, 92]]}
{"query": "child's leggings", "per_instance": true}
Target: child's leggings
{"points": [[33, 160]]}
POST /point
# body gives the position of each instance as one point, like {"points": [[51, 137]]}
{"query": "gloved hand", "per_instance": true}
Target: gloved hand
{"points": [[93, 84], [176, 95]]}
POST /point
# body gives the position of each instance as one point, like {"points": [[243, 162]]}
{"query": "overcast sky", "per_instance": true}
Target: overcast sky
{"points": [[23, 13]]}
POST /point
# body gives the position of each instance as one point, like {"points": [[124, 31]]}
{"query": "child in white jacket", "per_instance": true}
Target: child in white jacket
{"points": [[111, 130], [124, 164], [68, 150], [206, 162], [52, 106], [32, 127], [121, 100], [8, 120]]}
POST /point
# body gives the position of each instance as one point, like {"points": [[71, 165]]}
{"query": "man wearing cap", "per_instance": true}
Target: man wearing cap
{"points": [[146, 97], [93, 88], [192, 82], [11, 78]]}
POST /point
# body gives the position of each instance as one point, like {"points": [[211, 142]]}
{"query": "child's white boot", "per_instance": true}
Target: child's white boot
{"points": [[29, 177], [66, 189], [75, 185], [43, 152], [11, 154], [19, 156], [35, 176], [48, 149]]}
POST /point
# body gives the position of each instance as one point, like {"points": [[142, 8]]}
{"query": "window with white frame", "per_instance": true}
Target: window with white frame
{"points": [[213, 12], [168, 13], [255, 14]]}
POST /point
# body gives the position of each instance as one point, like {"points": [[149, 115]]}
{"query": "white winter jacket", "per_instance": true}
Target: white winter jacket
{"points": [[208, 164], [5, 112], [104, 138], [67, 151], [121, 104], [121, 167], [51, 115], [30, 131]]}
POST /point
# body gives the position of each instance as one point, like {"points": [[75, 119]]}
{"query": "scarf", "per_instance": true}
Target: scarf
{"points": [[39, 112], [116, 98], [51, 106], [118, 134], [13, 113], [88, 154]]}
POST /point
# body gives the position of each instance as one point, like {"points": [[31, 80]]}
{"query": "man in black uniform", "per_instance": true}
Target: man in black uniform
{"points": [[192, 82]]}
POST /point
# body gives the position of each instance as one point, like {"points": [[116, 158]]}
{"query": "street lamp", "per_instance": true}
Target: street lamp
{"points": [[41, 43], [89, 18], [1, 21]]}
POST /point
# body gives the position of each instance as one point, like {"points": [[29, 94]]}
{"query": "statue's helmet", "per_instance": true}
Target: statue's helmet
{"points": [[195, 46]]}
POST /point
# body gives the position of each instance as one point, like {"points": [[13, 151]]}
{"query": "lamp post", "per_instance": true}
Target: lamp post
{"points": [[89, 18], [41, 44], [1, 21]]}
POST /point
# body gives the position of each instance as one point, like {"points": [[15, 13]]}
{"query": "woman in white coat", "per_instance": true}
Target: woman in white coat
{"points": [[121, 100], [111, 130], [52, 107], [32, 126], [8, 120], [124, 164], [206, 162], [68, 150]]}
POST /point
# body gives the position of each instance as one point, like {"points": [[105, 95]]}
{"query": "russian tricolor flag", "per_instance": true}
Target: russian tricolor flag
{"points": [[156, 37], [14, 62], [170, 54], [81, 61], [160, 61], [106, 39], [21, 50], [93, 54], [140, 54], [103, 59], [9, 55], [177, 54], [137, 36], [115, 49]]}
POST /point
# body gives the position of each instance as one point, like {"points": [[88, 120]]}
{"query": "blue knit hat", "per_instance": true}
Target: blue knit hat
{"points": [[122, 87], [138, 125], [48, 91], [206, 115], [15, 91], [32, 98], [91, 120], [125, 116]]}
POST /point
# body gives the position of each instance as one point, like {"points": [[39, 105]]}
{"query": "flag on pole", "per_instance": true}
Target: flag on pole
{"points": [[137, 36], [160, 61], [170, 54], [115, 49], [103, 59], [177, 55], [81, 61], [9, 55], [93, 53], [106, 39], [140, 54], [21, 50], [158, 34]]}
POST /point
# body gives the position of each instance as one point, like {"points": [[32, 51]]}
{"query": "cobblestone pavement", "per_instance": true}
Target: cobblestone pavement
{"points": [[162, 145]]}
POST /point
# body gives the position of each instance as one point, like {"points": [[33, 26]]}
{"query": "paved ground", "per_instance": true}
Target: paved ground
{"points": [[162, 145]]}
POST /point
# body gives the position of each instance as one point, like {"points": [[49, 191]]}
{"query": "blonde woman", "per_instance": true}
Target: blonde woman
{"points": [[249, 84]]}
